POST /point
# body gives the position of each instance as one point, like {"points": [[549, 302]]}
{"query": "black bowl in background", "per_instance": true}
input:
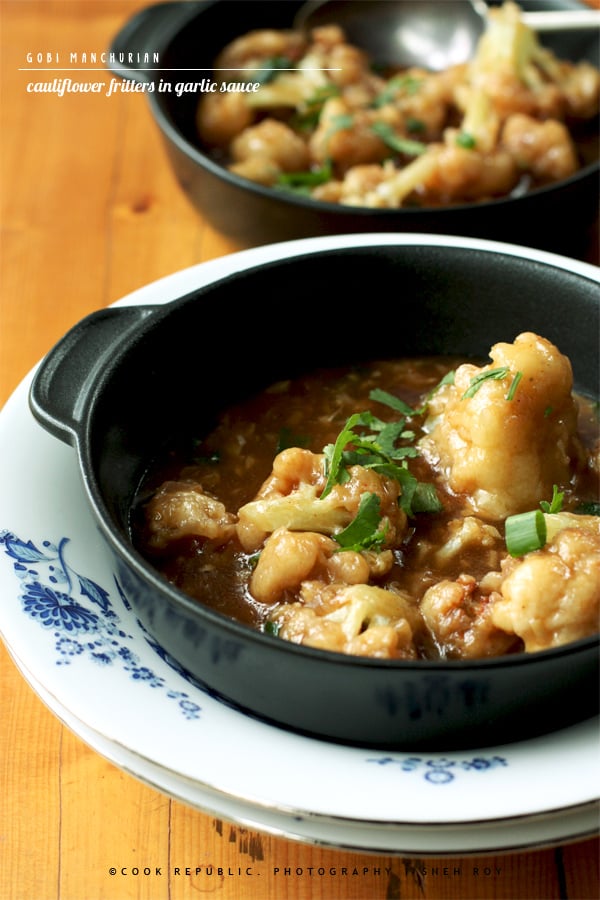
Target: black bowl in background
{"points": [[124, 381], [187, 35]]}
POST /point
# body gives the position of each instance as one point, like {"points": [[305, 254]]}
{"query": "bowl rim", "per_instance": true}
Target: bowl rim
{"points": [[308, 248]]}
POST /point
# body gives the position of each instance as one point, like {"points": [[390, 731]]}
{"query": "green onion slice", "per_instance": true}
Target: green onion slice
{"points": [[513, 386], [525, 532], [481, 378]]}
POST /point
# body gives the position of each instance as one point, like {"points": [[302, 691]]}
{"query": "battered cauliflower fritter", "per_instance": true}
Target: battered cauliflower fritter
{"points": [[182, 509], [288, 558], [459, 617], [291, 498], [503, 452], [552, 596], [360, 619]]}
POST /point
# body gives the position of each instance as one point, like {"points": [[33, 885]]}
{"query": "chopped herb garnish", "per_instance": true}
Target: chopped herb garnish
{"points": [[377, 451], [363, 532], [415, 126], [447, 379], [336, 473], [513, 386], [340, 123], [525, 532], [466, 141], [271, 628], [478, 380], [270, 67], [252, 559], [425, 499], [390, 400], [308, 178], [399, 84], [288, 438], [555, 505], [396, 142], [308, 117], [301, 181], [588, 508]]}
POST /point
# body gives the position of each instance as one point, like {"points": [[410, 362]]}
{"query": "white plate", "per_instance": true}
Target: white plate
{"points": [[527, 832], [71, 631]]}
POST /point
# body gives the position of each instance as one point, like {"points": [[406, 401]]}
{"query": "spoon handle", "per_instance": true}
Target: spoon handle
{"points": [[559, 20]]}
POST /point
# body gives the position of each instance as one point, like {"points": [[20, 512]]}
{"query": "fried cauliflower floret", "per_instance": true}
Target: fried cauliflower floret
{"points": [[545, 149], [252, 49], [288, 558], [459, 618], [468, 532], [221, 117], [581, 88], [466, 174], [357, 186], [444, 173], [263, 151], [552, 596], [182, 509], [504, 454], [506, 67], [425, 99], [346, 138], [291, 89], [359, 619], [291, 498]]}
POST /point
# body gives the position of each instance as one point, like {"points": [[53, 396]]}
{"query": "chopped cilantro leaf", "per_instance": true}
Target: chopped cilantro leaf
{"points": [[288, 438], [363, 531], [340, 123], [466, 141], [269, 68], [308, 179], [308, 116], [399, 84], [588, 508], [425, 499], [333, 454], [379, 452], [415, 126], [396, 142], [394, 403], [555, 505]]}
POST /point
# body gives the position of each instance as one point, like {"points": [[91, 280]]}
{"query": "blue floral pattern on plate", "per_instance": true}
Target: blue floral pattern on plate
{"points": [[81, 617], [440, 770]]}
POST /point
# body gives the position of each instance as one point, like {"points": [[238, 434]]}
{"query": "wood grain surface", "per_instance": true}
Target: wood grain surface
{"points": [[91, 211]]}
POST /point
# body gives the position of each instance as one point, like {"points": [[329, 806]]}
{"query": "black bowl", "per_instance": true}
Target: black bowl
{"points": [[113, 387], [187, 37]]}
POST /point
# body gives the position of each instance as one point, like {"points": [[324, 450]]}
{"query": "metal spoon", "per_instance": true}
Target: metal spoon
{"points": [[439, 32]]}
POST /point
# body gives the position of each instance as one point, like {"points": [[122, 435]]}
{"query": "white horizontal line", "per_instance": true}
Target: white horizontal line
{"points": [[137, 69]]}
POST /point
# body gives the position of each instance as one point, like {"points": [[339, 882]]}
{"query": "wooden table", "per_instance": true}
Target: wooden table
{"points": [[91, 211]]}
